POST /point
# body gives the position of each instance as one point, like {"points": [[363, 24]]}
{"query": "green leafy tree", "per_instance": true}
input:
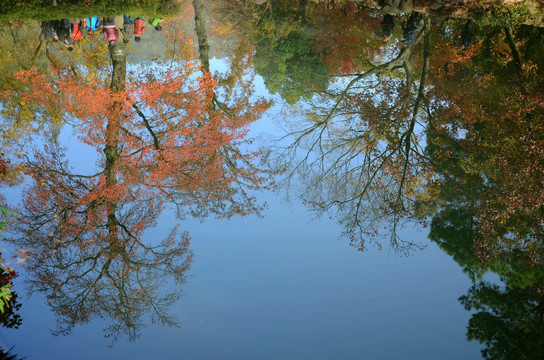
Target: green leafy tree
{"points": [[285, 55], [507, 320]]}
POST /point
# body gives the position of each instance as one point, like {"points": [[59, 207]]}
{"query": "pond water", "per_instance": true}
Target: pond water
{"points": [[272, 180]]}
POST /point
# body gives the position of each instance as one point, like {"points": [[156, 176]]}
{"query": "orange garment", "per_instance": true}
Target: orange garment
{"points": [[139, 27]]}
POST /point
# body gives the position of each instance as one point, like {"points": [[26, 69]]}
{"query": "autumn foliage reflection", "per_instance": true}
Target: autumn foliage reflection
{"points": [[167, 136], [359, 153], [486, 143], [398, 124]]}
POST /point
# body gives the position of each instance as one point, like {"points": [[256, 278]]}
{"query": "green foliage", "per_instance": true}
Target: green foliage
{"points": [[7, 213], [287, 58], [531, 46], [5, 296], [452, 229], [508, 320], [290, 66], [10, 318], [507, 15], [44, 9], [5, 274]]}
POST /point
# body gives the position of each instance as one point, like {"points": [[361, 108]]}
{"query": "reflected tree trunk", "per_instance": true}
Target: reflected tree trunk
{"points": [[202, 34], [118, 55], [513, 48], [302, 10], [118, 79]]}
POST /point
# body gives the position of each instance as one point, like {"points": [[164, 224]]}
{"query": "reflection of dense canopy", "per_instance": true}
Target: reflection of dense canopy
{"points": [[486, 142], [379, 141], [285, 56], [363, 156], [399, 133], [508, 320]]}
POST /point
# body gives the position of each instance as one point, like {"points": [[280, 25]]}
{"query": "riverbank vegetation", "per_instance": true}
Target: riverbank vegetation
{"points": [[59, 9]]}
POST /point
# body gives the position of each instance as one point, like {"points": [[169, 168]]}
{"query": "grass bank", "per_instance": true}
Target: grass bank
{"points": [[45, 9]]}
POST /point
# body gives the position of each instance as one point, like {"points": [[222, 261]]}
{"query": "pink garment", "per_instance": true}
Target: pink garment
{"points": [[111, 34]]}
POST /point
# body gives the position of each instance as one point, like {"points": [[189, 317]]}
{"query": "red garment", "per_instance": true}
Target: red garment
{"points": [[76, 33], [139, 27], [111, 34]]}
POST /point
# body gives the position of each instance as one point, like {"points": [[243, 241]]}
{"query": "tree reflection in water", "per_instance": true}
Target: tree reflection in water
{"points": [[167, 134], [444, 126], [508, 316], [377, 144], [405, 116]]}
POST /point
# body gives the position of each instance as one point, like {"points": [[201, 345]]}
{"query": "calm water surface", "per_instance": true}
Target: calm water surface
{"points": [[284, 180]]}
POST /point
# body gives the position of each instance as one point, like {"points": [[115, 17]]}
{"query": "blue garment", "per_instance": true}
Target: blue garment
{"points": [[409, 35], [92, 23], [127, 19]]}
